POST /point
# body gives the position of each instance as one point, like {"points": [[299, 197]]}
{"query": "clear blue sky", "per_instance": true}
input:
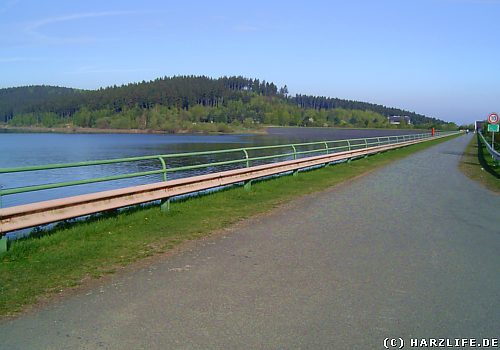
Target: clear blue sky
{"points": [[437, 57]]}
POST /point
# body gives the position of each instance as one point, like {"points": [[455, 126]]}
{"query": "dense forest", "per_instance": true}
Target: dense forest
{"points": [[192, 103]]}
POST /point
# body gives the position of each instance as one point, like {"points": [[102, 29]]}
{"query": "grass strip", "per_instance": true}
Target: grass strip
{"points": [[68, 256], [477, 164]]}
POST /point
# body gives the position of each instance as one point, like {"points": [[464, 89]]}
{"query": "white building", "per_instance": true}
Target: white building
{"points": [[396, 119]]}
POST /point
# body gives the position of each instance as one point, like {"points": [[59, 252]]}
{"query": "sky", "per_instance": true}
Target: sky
{"points": [[440, 58]]}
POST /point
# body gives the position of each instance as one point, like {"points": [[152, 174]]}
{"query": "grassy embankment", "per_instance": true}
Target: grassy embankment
{"points": [[36, 268], [478, 165]]}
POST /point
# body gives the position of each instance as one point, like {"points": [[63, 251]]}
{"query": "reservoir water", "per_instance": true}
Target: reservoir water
{"points": [[25, 149]]}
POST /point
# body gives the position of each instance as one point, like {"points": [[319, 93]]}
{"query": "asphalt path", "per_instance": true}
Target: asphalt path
{"points": [[408, 251]]}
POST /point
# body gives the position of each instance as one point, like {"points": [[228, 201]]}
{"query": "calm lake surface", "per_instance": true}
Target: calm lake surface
{"points": [[24, 149]]}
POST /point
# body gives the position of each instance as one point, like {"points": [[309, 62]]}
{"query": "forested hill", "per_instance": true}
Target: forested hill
{"points": [[24, 99], [188, 100]]}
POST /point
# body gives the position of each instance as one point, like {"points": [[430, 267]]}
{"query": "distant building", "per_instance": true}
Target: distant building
{"points": [[478, 125], [397, 119]]}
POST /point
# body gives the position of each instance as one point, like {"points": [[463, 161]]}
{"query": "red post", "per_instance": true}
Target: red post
{"points": [[432, 132]]}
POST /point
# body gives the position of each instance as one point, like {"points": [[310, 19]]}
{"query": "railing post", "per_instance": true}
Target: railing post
{"points": [[4, 244], [246, 157], [366, 143], [350, 148], [327, 152], [295, 172], [165, 205], [164, 168], [247, 185]]}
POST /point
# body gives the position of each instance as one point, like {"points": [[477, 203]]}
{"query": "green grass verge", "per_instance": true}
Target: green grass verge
{"points": [[68, 256], [478, 165]]}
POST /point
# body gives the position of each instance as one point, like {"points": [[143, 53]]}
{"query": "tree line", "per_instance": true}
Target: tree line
{"points": [[187, 103]]}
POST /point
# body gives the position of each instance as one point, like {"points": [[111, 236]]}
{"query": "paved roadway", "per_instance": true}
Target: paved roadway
{"points": [[411, 250]]}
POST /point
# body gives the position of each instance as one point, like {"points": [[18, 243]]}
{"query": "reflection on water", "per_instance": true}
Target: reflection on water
{"points": [[18, 149]]}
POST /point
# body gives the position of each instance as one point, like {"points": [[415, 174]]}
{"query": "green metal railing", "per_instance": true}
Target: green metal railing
{"points": [[494, 154], [245, 157]]}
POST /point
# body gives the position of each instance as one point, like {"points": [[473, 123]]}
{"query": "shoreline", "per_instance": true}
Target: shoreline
{"points": [[339, 128], [81, 130]]}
